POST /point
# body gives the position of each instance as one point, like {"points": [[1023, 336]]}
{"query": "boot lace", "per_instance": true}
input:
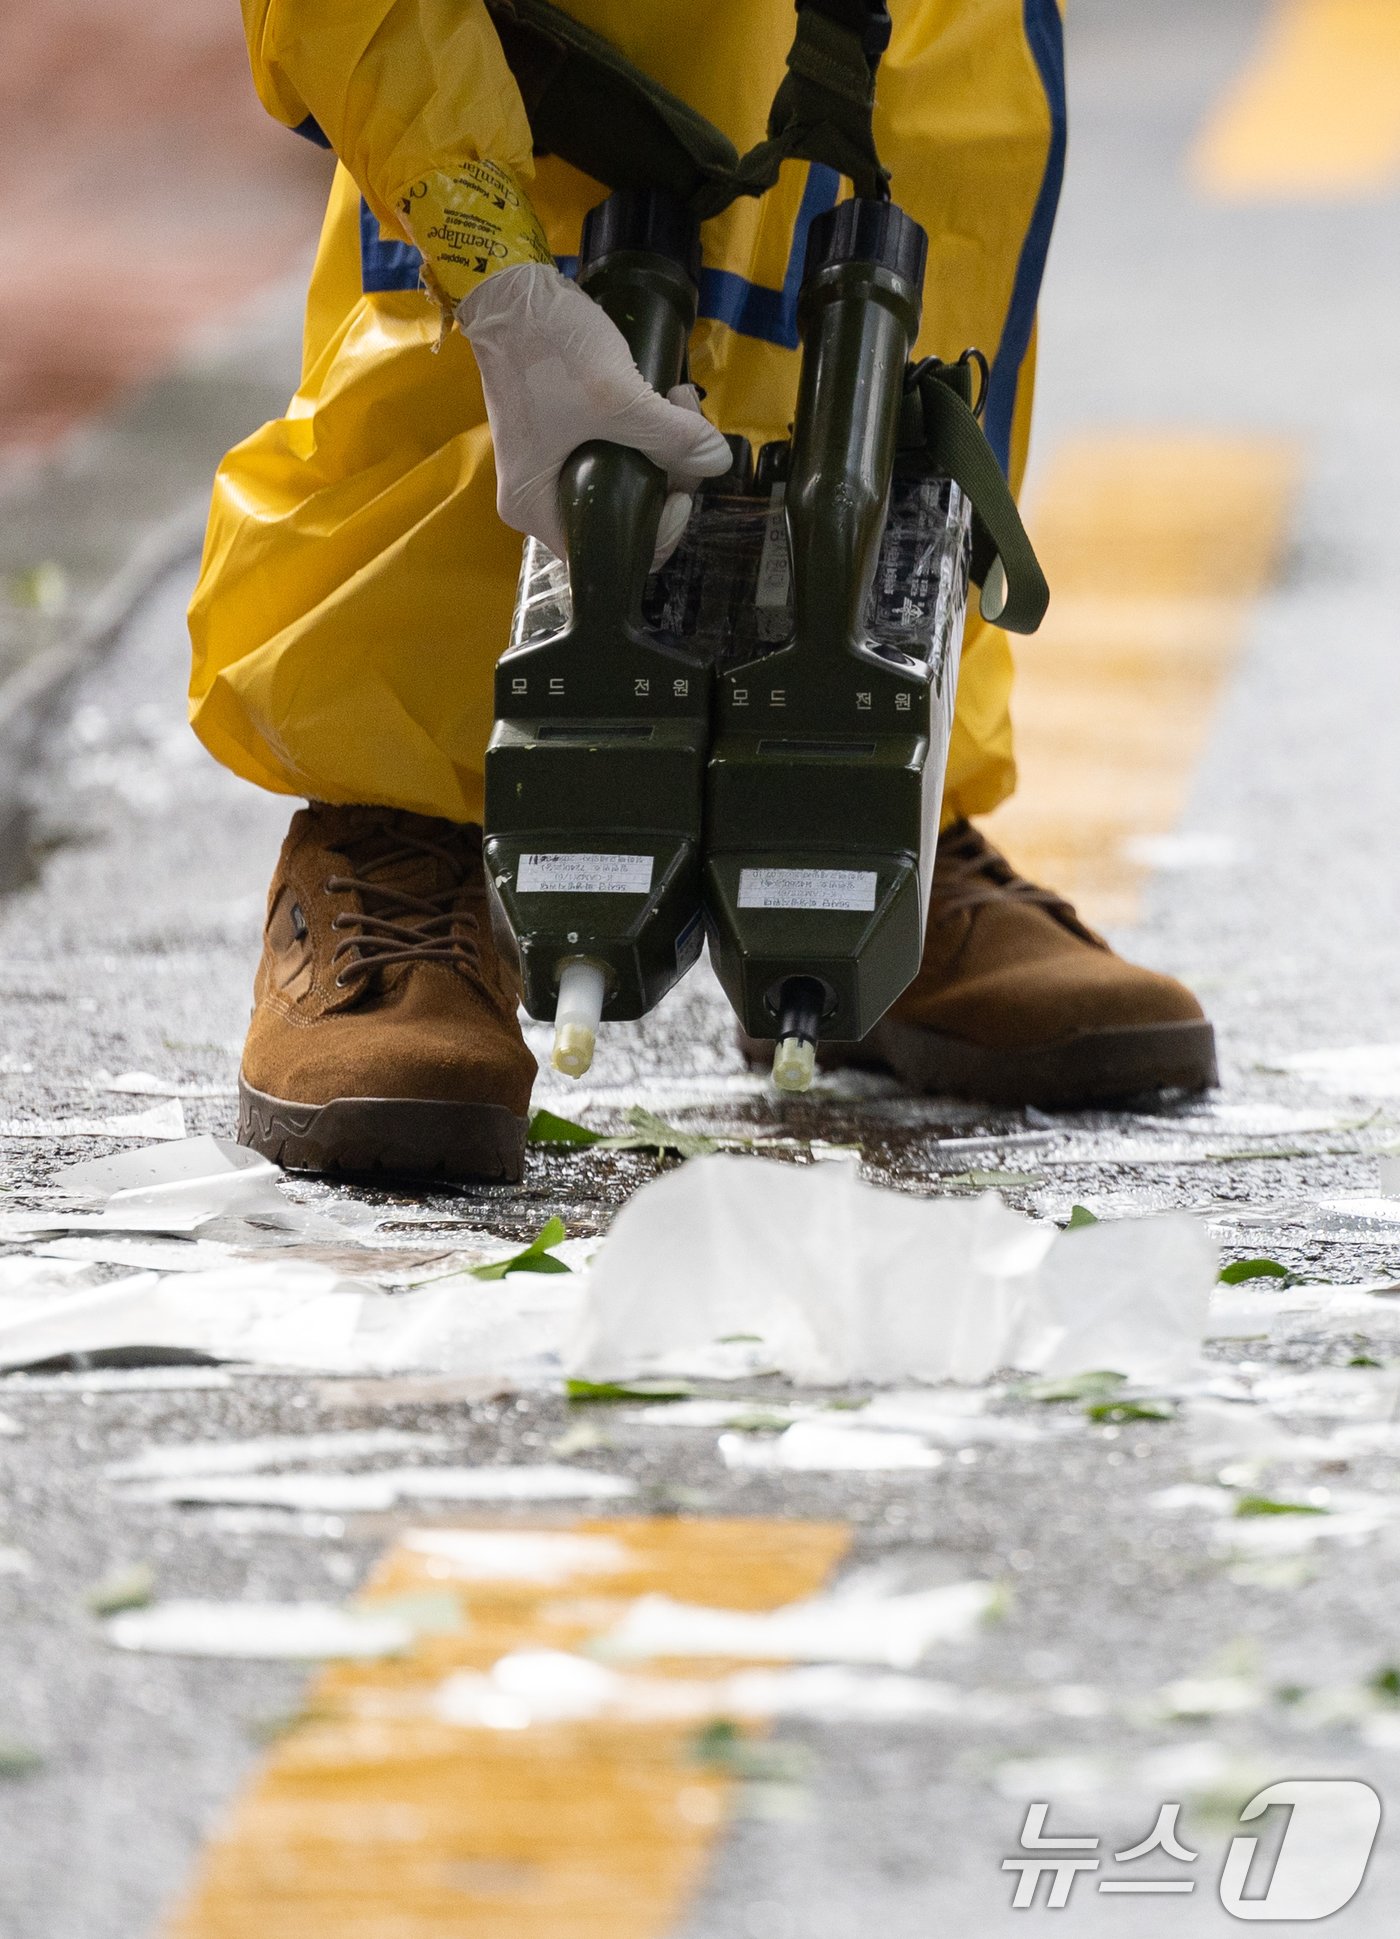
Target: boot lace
{"points": [[969, 873], [397, 925]]}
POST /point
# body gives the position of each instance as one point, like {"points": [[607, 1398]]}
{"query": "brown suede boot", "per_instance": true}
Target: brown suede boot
{"points": [[384, 1035], [1017, 1002]]}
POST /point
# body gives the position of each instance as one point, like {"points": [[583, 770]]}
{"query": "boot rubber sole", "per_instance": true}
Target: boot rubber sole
{"points": [[1092, 1067], [421, 1139]]}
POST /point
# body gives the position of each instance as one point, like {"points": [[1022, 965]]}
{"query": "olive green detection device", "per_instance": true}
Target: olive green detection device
{"points": [[826, 770], [595, 768]]}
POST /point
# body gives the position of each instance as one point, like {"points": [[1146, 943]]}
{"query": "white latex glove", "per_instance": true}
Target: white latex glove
{"points": [[556, 372]]}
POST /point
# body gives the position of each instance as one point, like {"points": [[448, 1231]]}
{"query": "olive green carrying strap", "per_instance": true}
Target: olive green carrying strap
{"points": [[597, 110], [939, 420]]}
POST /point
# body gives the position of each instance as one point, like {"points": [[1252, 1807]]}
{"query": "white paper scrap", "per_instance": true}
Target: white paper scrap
{"points": [[533, 1687], [374, 1493], [270, 1451], [23, 1225], [897, 1631], [816, 1447], [289, 1313], [161, 1121], [22, 1274], [203, 1157], [144, 1083], [139, 1254], [295, 1631], [1352, 1070]]}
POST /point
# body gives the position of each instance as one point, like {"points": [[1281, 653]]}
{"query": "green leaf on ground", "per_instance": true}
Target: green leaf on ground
{"points": [[1080, 1215], [613, 1390], [538, 1256], [723, 1746], [1114, 1413], [1098, 1385], [1244, 1270], [1364, 1360], [43, 588], [127, 1588], [17, 1760], [548, 1128], [1386, 1683], [1249, 1505]]}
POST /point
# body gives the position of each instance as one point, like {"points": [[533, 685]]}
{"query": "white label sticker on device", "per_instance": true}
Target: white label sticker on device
{"points": [[807, 888], [584, 875], [774, 572]]}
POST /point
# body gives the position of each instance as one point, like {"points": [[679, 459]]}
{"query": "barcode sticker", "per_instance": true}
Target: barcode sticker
{"points": [[807, 889], [584, 875]]}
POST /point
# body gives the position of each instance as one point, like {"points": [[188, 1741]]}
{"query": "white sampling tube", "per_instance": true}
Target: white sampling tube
{"points": [[582, 986], [794, 1063]]}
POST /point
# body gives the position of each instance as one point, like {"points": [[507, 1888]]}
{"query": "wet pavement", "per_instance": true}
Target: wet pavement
{"points": [[1158, 1635]]}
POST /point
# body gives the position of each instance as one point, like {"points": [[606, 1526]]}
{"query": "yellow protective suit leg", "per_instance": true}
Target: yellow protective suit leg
{"points": [[356, 586]]}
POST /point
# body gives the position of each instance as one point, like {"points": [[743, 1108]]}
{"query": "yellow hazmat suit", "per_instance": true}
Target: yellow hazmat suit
{"points": [[357, 585]]}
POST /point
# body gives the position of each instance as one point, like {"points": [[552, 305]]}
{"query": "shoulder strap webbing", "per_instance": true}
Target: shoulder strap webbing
{"points": [[939, 421], [592, 106]]}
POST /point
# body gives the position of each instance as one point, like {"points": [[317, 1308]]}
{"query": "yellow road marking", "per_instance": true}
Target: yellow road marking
{"points": [[1155, 546], [374, 1819], [1316, 114]]}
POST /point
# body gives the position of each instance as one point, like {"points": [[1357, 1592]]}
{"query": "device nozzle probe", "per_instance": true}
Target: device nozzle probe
{"points": [[582, 986], [800, 1004]]}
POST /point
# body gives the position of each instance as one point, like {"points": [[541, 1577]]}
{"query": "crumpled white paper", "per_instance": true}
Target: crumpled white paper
{"points": [[842, 1281]]}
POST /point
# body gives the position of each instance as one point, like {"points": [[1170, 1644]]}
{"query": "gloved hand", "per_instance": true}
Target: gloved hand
{"points": [[557, 372]]}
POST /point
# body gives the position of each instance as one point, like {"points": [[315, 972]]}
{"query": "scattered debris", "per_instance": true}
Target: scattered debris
{"points": [[850, 1625], [1355, 1070], [162, 1121], [144, 1083], [381, 1490], [270, 1451], [819, 1447], [296, 1313], [292, 1631]]}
